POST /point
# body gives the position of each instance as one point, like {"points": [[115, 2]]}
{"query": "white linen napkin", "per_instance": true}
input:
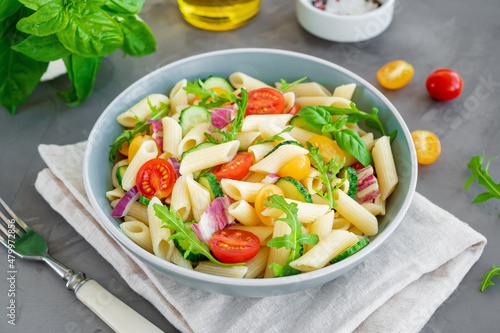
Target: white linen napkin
{"points": [[396, 289]]}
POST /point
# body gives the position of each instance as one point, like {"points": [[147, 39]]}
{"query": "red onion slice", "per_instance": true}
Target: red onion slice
{"points": [[123, 206]]}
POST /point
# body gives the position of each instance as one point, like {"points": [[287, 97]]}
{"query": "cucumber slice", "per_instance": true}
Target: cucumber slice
{"points": [[282, 144], [202, 145], [351, 250], [183, 245], [293, 189], [218, 82], [210, 182], [297, 121], [120, 172], [192, 116], [351, 175], [144, 200]]}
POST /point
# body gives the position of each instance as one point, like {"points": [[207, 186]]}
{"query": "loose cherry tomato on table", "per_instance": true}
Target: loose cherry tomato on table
{"points": [[265, 192], [235, 169], [232, 246], [156, 178], [328, 148], [136, 144], [427, 146], [395, 75], [444, 84], [265, 101], [297, 168]]}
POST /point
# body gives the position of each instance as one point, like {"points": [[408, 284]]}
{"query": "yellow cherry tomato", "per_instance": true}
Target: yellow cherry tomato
{"points": [[328, 148], [297, 168], [427, 145], [218, 91], [261, 197], [136, 144], [395, 75]]}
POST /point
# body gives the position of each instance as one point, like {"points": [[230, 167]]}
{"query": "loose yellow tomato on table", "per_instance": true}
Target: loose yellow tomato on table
{"points": [[136, 144], [328, 148], [297, 168], [261, 197], [427, 145], [395, 74]]}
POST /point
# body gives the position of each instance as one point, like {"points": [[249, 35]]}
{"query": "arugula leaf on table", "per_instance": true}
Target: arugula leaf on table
{"points": [[171, 220], [294, 240], [483, 178], [328, 172], [275, 137], [350, 141], [216, 100], [19, 74], [138, 39], [47, 48], [489, 275], [285, 85], [140, 127]]}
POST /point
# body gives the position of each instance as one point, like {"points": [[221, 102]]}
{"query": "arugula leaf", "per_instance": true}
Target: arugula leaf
{"points": [[138, 39], [8, 8], [171, 220], [124, 7], [19, 74], [350, 142], [209, 98], [489, 275], [50, 18], [82, 72], [285, 85], [294, 240], [328, 172], [483, 178], [275, 137], [81, 36], [140, 127], [46, 48]]}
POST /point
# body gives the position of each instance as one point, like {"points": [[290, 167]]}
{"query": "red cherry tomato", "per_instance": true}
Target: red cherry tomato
{"points": [[265, 101], [156, 178], [444, 84], [233, 246], [294, 110], [235, 169]]}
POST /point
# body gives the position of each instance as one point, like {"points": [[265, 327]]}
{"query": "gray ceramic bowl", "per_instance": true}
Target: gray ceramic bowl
{"points": [[267, 65]]}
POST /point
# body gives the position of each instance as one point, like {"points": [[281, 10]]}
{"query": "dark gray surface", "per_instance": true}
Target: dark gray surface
{"points": [[461, 35]]}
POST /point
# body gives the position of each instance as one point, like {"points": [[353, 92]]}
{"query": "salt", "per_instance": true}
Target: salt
{"points": [[350, 7]]}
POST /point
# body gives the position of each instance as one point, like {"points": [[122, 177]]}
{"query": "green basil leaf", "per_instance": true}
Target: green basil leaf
{"points": [[49, 19], [8, 7], [46, 48], [20, 74], [336, 111], [393, 134], [124, 7], [82, 72], [138, 38], [355, 118], [373, 124], [350, 142], [83, 38], [315, 117], [32, 4]]}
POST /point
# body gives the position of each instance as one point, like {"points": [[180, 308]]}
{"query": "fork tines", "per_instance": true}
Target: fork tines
{"points": [[10, 223]]}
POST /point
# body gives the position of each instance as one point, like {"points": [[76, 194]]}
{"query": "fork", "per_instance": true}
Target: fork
{"points": [[27, 244]]}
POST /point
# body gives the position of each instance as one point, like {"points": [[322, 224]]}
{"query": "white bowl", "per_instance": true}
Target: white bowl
{"points": [[345, 28], [267, 65]]}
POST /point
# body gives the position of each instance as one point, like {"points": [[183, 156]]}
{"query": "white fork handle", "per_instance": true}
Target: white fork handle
{"points": [[116, 314]]}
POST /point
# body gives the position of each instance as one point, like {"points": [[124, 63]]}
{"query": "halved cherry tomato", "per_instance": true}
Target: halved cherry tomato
{"points": [[136, 144], [395, 75], [218, 91], [444, 84], [265, 192], [265, 101], [124, 147], [427, 145], [232, 246], [328, 148], [235, 169], [156, 178], [294, 110], [298, 168]]}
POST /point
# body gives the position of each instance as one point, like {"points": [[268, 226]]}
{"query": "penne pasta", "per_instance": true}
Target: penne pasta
{"points": [[278, 158], [244, 213], [172, 136], [356, 214], [226, 271], [241, 80], [209, 157], [139, 233], [277, 256], [384, 166], [257, 265], [240, 190], [162, 247], [345, 91], [141, 110], [146, 152]]}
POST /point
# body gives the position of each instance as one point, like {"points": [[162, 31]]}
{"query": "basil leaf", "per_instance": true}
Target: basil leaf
{"points": [[19, 74], [138, 38], [91, 33], [336, 111], [350, 141], [357, 118], [82, 72], [7, 8], [314, 116], [393, 134], [124, 7], [32, 4], [46, 48], [49, 19]]}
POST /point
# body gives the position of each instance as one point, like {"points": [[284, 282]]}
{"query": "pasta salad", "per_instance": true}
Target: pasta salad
{"points": [[241, 179]]}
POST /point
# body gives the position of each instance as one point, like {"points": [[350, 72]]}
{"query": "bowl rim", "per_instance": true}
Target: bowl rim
{"points": [[383, 7], [151, 259]]}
